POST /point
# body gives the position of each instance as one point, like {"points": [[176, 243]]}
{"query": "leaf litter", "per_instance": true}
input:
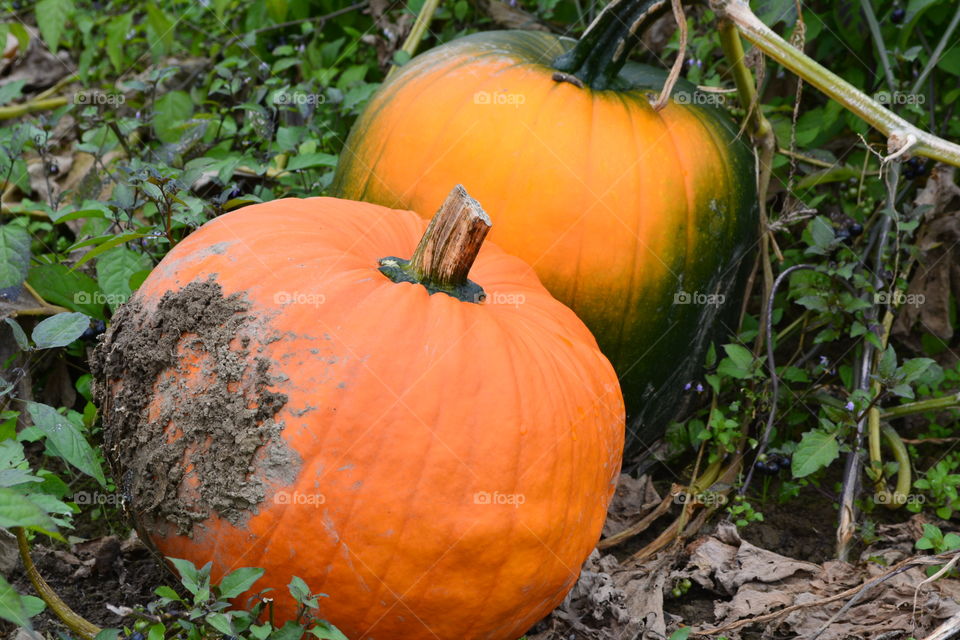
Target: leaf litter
{"points": [[751, 592]]}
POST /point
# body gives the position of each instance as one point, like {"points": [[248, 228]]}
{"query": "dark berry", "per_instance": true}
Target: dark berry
{"points": [[855, 229], [235, 193], [95, 329], [136, 635], [914, 168], [898, 15], [52, 168]]}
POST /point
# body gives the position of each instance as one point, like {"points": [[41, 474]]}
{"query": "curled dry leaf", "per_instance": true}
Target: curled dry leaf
{"points": [[634, 498]]}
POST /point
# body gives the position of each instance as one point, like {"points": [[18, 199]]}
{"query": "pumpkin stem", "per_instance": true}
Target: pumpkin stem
{"points": [[604, 47], [447, 250]]}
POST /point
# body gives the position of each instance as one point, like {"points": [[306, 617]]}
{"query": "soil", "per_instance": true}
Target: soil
{"points": [[175, 379], [90, 576]]}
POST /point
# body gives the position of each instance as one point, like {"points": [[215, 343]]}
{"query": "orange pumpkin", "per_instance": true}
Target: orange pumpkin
{"points": [[438, 459], [637, 219]]}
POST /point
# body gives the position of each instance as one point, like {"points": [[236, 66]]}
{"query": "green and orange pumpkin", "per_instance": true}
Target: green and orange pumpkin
{"points": [[435, 454], [637, 219]]}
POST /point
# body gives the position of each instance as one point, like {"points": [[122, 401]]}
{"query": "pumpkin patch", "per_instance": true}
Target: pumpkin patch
{"points": [[438, 463]]}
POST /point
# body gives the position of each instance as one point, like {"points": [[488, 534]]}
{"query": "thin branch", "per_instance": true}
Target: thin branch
{"points": [[935, 56]]}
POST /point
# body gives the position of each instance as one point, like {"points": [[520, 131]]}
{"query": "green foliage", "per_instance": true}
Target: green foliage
{"points": [[188, 111], [206, 613]]}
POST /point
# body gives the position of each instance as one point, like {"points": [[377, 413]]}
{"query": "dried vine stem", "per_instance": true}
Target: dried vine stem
{"points": [[902, 136]]}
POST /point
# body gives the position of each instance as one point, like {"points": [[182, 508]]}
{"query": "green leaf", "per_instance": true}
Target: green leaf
{"points": [[108, 634], [67, 439], [299, 589], [950, 62], [821, 230], [951, 542], [157, 632], [236, 582], [219, 6], [913, 368], [310, 160], [33, 605], [114, 270], [12, 90], [887, 367], [221, 623], [75, 290], [14, 255], [189, 574], [681, 634], [22, 35], [326, 631], [117, 30], [11, 605], [278, 9], [159, 33], [172, 110], [104, 245], [167, 592], [815, 451], [289, 631], [60, 330], [16, 510], [18, 334], [52, 16], [741, 356]]}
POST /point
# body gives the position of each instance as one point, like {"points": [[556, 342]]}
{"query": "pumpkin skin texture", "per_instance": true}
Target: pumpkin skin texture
{"points": [[404, 416], [620, 209]]}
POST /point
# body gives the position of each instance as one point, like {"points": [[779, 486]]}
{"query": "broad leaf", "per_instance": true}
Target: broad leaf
{"points": [[815, 451], [236, 582], [52, 16], [60, 330], [67, 439], [16, 510], [14, 255]]}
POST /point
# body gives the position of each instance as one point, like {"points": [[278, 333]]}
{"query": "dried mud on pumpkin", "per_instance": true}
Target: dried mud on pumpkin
{"points": [[738, 588], [195, 323]]}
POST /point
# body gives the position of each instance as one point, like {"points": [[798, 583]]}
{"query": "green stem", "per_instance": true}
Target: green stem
{"points": [[935, 56], [764, 138], [75, 622], [922, 406], [417, 31], [447, 250], [17, 110], [878, 40], [604, 47], [901, 135], [899, 496]]}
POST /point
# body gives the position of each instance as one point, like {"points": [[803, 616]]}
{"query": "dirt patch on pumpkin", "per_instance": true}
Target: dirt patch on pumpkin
{"points": [[188, 412]]}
